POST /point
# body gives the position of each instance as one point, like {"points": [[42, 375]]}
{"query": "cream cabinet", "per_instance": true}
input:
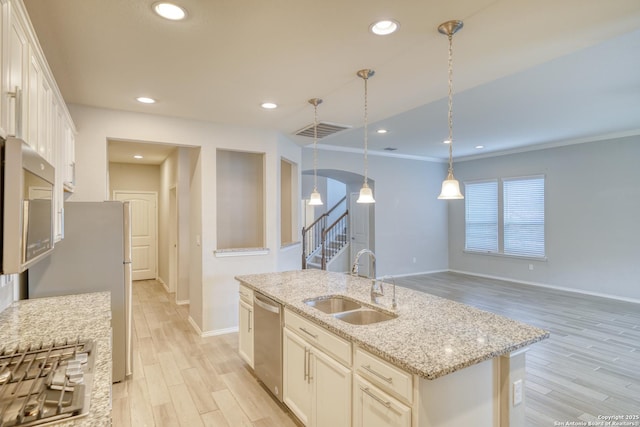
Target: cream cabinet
{"points": [[15, 55], [297, 388], [31, 106], [372, 407], [245, 333], [317, 386]]}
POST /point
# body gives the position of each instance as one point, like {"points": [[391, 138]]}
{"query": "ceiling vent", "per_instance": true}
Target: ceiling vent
{"points": [[324, 129]]}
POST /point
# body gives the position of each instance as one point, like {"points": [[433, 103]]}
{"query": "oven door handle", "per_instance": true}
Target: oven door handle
{"points": [[265, 305]]}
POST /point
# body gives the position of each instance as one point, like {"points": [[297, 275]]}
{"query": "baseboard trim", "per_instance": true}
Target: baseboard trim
{"points": [[545, 285], [213, 333], [183, 302], [415, 274], [217, 332], [164, 285]]}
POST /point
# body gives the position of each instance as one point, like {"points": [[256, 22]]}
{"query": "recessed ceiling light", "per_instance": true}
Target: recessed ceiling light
{"points": [[269, 105], [381, 131], [446, 141], [384, 27], [479, 146], [170, 11], [138, 156], [145, 100]]}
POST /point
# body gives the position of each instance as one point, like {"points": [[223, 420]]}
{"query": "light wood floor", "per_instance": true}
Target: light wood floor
{"points": [[590, 366], [181, 379]]}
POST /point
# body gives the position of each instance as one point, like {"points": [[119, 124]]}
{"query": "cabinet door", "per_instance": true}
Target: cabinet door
{"points": [[15, 57], [332, 391], [298, 389], [245, 335], [374, 408]]}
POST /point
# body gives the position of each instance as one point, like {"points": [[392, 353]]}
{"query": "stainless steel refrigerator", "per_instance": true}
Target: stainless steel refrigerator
{"points": [[95, 255]]}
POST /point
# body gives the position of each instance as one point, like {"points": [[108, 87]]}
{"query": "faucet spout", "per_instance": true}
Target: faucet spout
{"points": [[376, 289]]}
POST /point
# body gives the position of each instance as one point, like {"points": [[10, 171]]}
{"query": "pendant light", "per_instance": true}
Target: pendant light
{"points": [[450, 186], [366, 195], [315, 199]]}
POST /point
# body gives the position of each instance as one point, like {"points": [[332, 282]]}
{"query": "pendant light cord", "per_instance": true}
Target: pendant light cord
{"points": [[366, 136], [315, 143], [450, 103]]}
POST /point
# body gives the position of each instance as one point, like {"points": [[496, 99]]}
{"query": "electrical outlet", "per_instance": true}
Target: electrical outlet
{"points": [[517, 392], [530, 267], [414, 260]]}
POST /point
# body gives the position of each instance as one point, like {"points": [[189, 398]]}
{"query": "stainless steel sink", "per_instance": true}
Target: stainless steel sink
{"points": [[364, 317], [334, 304]]}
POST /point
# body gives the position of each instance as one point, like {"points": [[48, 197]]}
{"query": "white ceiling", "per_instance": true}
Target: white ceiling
{"points": [[525, 71]]}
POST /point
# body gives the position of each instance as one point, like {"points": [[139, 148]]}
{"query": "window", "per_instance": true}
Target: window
{"points": [[505, 216], [481, 216], [523, 215]]}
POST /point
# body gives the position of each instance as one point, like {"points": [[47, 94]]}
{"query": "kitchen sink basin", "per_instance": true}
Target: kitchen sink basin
{"points": [[331, 305], [364, 317]]}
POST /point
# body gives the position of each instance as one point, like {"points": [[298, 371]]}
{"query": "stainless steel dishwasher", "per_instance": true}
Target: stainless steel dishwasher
{"points": [[267, 342]]}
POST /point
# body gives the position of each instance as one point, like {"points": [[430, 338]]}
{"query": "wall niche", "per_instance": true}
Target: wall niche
{"points": [[240, 199]]}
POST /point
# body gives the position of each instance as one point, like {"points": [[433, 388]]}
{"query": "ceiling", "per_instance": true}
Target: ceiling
{"points": [[526, 72]]}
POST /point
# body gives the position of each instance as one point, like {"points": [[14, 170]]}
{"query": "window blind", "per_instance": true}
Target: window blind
{"points": [[481, 216], [523, 214]]}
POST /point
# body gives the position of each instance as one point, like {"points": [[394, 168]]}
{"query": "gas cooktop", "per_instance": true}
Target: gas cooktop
{"points": [[41, 384]]}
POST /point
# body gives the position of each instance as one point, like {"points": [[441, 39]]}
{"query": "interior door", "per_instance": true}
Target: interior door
{"points": [[359, 226], [143, 232]]}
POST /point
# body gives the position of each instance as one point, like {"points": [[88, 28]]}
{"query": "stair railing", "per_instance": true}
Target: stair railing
{"points": [[335, 234], [312, 235]]}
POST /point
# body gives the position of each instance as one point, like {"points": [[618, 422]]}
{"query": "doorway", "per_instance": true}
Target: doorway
{"points": [[173, 239], [359, 214]]}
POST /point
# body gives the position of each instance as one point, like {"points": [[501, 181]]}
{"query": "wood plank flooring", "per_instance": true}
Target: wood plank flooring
{"points": [[181, 379], [589, 367]]}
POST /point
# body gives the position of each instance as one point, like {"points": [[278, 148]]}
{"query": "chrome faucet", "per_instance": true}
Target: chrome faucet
{"points": [[394, 301], [376, 287]]}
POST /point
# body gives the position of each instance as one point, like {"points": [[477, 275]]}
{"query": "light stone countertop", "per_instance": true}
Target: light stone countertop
{"points": [[84, 316], [431, 336]]}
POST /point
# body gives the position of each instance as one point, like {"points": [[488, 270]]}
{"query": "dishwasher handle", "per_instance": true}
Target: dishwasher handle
{"points": [[266, 305]]}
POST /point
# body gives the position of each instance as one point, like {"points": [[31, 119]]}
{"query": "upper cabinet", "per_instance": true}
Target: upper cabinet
{"points": [[15, 54], [31, 106]]}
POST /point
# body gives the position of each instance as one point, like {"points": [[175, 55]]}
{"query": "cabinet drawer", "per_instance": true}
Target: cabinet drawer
{"points": [[246, 294], [319, 337], [388, 377]]}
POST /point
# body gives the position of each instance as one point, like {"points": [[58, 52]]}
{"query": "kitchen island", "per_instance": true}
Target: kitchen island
{"points": [[67, 318], [462, 364]]}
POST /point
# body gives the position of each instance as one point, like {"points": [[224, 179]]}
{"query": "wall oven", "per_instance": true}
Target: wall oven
{"points": [[26, 198]]}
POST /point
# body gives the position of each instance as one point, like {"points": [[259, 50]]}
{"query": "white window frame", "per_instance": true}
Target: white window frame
{"points": [[501, 223]]}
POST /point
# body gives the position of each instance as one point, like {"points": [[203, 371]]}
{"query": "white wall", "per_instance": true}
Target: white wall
{"points": [[592, 211], [213, 292], [410, 222]]}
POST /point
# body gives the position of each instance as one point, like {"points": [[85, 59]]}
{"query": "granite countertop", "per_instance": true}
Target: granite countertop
{"points": [[84, 316], [431, 336]]}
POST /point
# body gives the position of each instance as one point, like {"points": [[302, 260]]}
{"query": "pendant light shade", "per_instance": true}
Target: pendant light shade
{"points": [[450, 189], [315, 199], [450, 186], [366, 195]]}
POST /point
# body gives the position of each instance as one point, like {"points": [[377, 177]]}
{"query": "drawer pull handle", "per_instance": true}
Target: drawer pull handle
{"points": [[306, 365], [377, 374], [376, 398], [308, 333]]}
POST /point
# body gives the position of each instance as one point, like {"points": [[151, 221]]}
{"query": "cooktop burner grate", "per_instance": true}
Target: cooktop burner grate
{"points": [[45, 383]]}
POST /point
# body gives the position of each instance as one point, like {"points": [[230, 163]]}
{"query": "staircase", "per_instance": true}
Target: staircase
{"points": [[321, 243]]}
